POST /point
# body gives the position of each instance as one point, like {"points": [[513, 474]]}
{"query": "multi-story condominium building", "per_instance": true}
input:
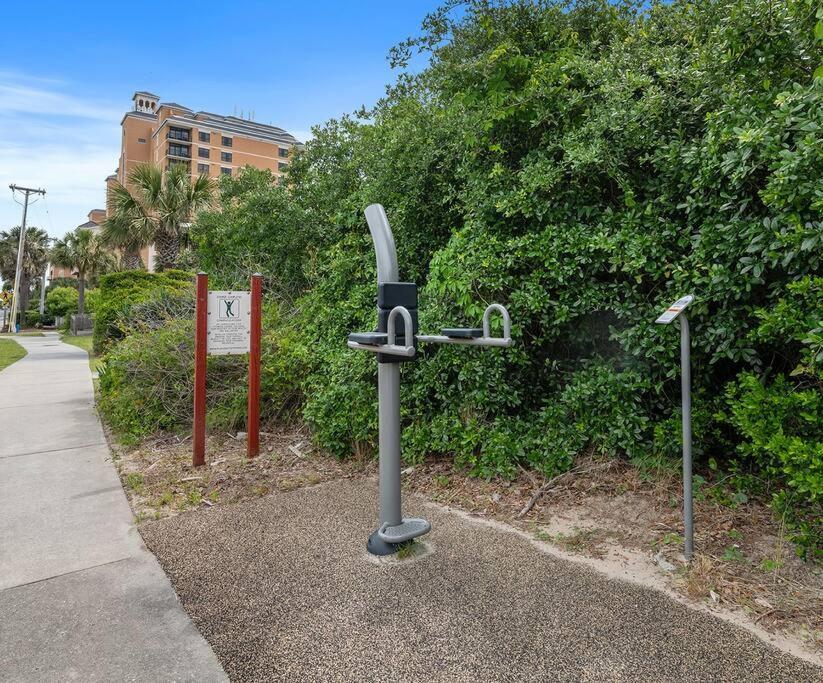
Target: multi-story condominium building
{"points": [[95, 218], [166, 133]]}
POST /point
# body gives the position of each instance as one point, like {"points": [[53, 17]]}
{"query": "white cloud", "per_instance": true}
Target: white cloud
{"points": [[50, 139]]}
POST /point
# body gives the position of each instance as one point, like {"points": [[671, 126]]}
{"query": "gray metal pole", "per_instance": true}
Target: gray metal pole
{"points": [[43, 292], [686, 400], [388, 390]]}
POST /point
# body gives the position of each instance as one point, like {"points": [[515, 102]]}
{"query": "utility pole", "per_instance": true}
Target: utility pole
{"points": [[12, 327]]}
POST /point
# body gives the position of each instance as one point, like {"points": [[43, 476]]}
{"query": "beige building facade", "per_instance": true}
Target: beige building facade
{"points": [[166, 133], [95, 218]]}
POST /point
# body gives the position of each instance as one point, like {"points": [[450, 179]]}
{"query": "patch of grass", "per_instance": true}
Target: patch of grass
{"points": [[134, 480], [442, 480], [83, 342], [24, 334], [770, 564], [166, 498], [10, 352], [406, 550], [194, 497], [585, 541]]}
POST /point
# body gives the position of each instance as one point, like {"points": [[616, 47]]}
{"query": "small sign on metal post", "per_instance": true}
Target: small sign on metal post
{"points": [[677, 312], [229, 323]]}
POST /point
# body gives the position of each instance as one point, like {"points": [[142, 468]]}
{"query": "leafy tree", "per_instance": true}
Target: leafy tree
{"points": [[585, 163], [84, 253], [35, 258], [155, 207], [62, 301]]}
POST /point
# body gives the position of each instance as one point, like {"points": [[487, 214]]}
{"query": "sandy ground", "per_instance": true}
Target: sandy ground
{"points": [[282, 589]]}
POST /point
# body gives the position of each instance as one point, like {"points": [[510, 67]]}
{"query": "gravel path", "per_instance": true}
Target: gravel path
{"points": [[283, 590]]}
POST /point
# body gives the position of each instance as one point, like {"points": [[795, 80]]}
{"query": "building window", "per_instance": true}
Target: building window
{"points": [[174, 162], [182, 134], [226, 141], [283, 152], [225, 171], [204, 137], [225, 156], [142, 141], [203, 152], [203, 169], [281, 166], [176, 150]]}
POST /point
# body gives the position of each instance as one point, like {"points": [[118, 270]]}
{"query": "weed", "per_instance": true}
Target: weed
{"points": [[442, 480], [406, 550], [194, 497], [672, 538], [134, 481], [733, 554], [770, 564]]}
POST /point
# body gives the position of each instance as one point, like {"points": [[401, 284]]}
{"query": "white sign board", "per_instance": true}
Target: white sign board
{"points": [[229, 323], [674, 310]]}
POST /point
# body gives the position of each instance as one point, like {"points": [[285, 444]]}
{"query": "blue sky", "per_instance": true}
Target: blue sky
{"points": [[68, 70]]}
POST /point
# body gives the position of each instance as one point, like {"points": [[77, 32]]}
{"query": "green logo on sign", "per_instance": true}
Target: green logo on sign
{"points": [[229, 303]]}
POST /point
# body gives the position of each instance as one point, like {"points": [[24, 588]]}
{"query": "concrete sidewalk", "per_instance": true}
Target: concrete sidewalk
{"points": [[80, 596]]}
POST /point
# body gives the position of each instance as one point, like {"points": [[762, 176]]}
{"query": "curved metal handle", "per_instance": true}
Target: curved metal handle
{"points": [[390, 325], [383, 240], [507, 321]]}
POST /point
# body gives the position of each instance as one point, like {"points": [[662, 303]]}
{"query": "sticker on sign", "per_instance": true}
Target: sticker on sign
{"points": [[228, 330], [674, 310]]}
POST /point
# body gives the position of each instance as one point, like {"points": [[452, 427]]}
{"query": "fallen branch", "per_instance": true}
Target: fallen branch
{"points": [[553, 481]]}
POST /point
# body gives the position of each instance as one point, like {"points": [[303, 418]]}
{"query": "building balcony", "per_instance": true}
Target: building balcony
{"points": [[181, 134], [179, 152]]}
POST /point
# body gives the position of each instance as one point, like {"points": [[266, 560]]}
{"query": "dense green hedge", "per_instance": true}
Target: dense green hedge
{"points": [[119, 291], [585, 166]]}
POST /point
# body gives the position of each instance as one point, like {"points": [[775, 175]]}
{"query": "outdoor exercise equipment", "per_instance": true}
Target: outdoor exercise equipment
{"points": [[397, 321], [677, 312]]}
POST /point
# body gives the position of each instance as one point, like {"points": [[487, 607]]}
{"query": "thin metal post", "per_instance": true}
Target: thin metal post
{"points": [[200, 350], [253, 419], [43, 292], [686, 400], [388, 391]]}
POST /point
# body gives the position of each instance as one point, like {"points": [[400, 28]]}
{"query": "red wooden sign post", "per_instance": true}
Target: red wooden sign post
{"points": [[253, 419], [228, 311], [200, 331]]}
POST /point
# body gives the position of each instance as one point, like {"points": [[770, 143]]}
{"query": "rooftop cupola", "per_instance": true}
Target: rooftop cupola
{"points": [[145, 102]]}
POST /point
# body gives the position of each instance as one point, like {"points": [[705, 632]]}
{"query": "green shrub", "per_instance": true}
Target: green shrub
{"points": [[780, 428], [61, 301], [92, 298], [585, 165], [147, 382], [119, 291]]}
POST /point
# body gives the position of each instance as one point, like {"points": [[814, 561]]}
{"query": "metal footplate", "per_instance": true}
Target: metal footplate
{"points": [[409, 528]]}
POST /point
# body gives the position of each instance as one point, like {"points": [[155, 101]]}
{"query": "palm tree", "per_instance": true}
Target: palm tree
{"points": [[35, 258], [86, 254], [155, 208]]}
